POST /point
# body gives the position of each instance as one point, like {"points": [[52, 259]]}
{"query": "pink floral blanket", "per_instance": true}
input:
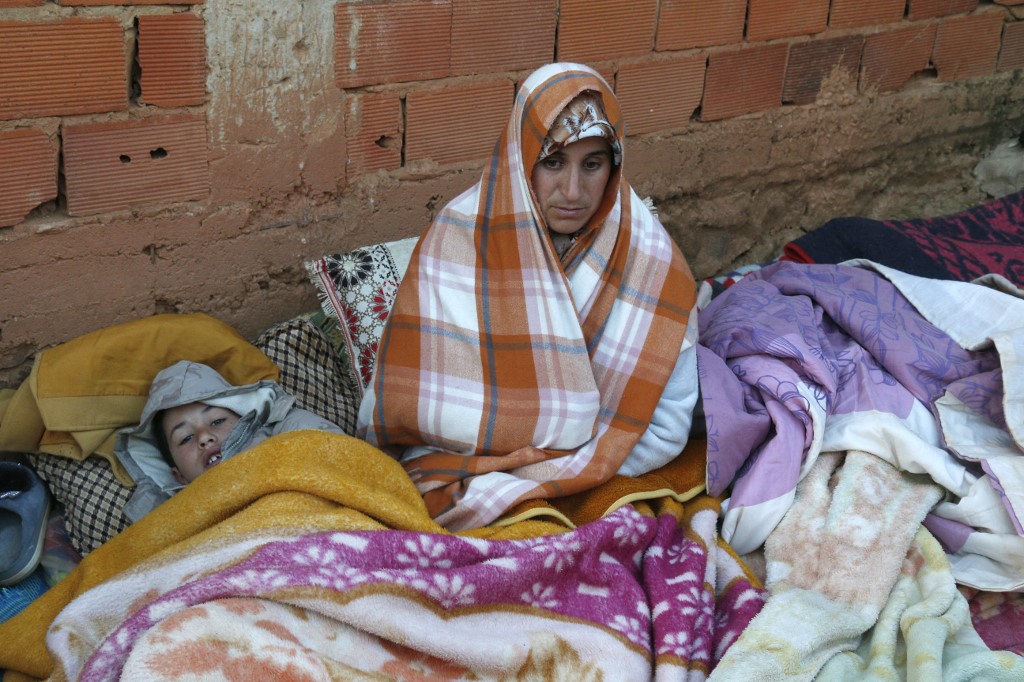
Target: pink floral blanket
{"points": [[627, 597]]}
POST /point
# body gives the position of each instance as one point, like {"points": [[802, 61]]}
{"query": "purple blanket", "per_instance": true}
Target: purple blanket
{"points": [[799, 359]]}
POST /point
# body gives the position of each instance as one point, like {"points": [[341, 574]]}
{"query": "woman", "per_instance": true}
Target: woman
{"points": [[542, 316]]}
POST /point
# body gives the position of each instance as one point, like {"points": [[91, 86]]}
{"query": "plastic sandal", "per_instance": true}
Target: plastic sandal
{"points": [[24, 510]]}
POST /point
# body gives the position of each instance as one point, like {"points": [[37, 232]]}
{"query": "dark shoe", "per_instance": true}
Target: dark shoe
{"points": [[24, 511]]}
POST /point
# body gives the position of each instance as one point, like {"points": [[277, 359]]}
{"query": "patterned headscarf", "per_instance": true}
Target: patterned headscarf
{"points": [[506, 373], [584, 117]]}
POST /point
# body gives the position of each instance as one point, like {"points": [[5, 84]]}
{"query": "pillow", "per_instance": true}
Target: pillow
{"points": [[90, 494], [312, 370], [358, 289]]}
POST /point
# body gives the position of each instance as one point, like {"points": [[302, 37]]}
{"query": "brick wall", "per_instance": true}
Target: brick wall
{"points": [[161, 155]]}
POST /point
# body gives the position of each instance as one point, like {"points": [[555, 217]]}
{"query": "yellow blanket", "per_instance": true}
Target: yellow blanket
{"points": [[80, 393], [290, 485]]}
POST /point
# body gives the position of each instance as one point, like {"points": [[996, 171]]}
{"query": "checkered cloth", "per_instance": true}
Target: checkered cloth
{"points": [[551, 368], [92, 497], [312, 370]]}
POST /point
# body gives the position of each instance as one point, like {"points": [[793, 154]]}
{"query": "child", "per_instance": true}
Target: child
{"points": [[191, 436], [193, 420]]}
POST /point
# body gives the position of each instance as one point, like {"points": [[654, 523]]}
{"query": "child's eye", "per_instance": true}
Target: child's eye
{"points": [[219, 420], [185, 439]]}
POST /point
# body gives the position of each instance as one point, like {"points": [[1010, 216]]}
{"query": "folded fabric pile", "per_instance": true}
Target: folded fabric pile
{"points": [[961, 246]]}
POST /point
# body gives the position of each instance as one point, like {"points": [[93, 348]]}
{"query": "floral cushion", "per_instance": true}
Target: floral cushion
{"points": [[358, 289]]}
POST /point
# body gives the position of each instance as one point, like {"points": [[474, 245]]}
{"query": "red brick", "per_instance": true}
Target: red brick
{"points": [[683, 24], [115, 165], [601, 31], [172, 58], [660, 95], [767, 19], [373, 127], [967, 47], [28, 173], [391, 42], [1011, 56], [607, 72], [813, 61], [892, 57], [97, 3], [926, 9], [489, 36], [437, 121], [852, 13], [72, 66], [743, 81]]}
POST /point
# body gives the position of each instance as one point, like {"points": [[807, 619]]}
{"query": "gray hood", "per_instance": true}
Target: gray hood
{"points": [[264, 410]]}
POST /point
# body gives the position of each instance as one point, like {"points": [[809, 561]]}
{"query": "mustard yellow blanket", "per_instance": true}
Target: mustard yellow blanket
{"points": [[80, 393], [313, 556]]}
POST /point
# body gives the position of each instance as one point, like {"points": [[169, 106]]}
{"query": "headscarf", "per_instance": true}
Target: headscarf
{"points": [[506, 373], [581, 118]]}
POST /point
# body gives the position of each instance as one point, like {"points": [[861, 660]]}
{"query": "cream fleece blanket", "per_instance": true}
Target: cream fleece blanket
{"points": [[859, 590]]}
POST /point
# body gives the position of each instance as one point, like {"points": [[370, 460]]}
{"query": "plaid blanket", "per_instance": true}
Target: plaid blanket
{"points": [[550, 368]]}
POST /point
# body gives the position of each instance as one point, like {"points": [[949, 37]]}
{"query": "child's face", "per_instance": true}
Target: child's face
{"points": [[194, 434]]}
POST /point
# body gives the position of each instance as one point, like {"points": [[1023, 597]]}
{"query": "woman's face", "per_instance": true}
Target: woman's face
{"points": [[570, 183]]}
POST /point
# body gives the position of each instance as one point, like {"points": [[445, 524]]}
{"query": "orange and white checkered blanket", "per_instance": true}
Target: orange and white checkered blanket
{"points": [[518, 374]]}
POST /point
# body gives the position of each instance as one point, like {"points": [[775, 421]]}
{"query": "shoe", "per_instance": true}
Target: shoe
{"points": [[24, 511]]}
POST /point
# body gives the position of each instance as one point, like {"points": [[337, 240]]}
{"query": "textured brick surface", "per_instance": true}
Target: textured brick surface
{"points": [[97, 3], [172, 58], [1011, 56], [967, 47], [660, 95], [438, 121], [502, 35], [595, 32], [373, 125], [391, 42], [926, 9], [115, 165], [743, 81], [21, 3], [28, 173], [892, 57], [767, 19], [853, 13], [813, 61], [684, 24], [72, 66]]}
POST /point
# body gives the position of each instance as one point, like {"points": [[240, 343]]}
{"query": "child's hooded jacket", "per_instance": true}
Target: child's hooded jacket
{"points": [[264, 410]]}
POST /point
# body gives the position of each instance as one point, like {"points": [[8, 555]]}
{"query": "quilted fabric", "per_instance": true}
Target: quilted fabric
{"points": [[311, 369], [357, 289]]}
